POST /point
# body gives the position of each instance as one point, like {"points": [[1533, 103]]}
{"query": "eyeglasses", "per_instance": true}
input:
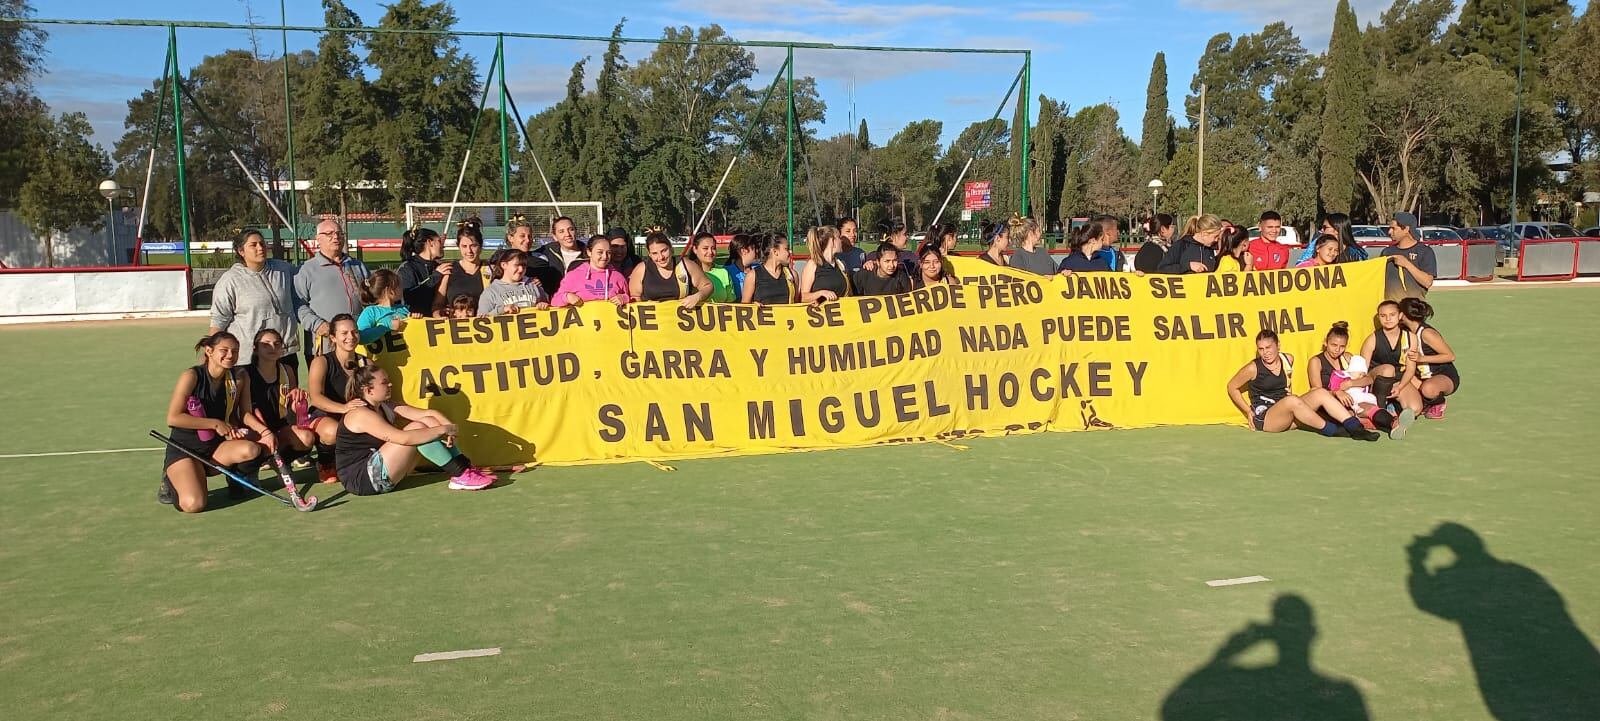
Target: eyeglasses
{"points": [[330, 234]]}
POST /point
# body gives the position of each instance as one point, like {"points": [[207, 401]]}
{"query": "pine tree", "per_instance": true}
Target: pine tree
{"points": [[1343, 111], [1493, 29], [334, 111], [1155, 145]]}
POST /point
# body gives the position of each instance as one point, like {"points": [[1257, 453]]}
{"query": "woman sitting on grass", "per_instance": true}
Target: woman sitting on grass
{"points": [[274, 396], [1431, 356], [593, 280], [328, 378], [375, 452], [204, 415], [1273, 409], [1392, 376]]}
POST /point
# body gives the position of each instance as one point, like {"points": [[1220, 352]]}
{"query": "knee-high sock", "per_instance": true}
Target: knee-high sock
{"points": [[447, 458]]}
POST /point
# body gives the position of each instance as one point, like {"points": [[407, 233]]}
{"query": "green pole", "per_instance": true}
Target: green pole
{"points": [[505, 148], [788, 70], [1516, 136], [1027, 123], [288, 121], [177, 146]]}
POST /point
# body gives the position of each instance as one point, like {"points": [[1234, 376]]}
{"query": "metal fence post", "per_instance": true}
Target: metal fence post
{"points": [[177, 146]]}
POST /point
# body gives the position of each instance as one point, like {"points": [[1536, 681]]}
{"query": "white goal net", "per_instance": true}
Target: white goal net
{"points": [[588, 216]]}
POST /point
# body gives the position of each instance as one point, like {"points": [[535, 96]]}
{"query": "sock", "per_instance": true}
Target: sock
{"points": [[1353, 425], [324, 455], [1381, 387], [1330, 429], [1383, 419], [447, 458]]}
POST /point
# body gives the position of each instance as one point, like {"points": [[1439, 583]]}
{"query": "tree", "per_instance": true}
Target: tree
{"points": [[1575, 81], [1493, 29], [905, 165], [984, 143], [1344, 110], [1049, 158], [23, 117], [1155, 143], [427, 93], [336, 115], [62, 191], [1409, 34]]}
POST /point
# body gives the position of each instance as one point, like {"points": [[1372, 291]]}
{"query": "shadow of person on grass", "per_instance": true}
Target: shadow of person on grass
{"points": [[1531, 659], [1289, 689]]}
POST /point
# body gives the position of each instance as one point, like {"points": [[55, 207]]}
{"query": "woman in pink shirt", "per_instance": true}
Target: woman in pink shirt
{"points": [[593, 280], [1327, 252]]}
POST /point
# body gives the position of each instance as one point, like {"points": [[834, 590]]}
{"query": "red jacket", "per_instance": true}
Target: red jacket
{"points": [[1267, 255]]}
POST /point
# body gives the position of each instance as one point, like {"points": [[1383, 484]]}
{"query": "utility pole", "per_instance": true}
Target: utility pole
{"points": [[1200, 170]]}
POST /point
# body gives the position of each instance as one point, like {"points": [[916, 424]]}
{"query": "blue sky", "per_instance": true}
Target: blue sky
{"points": [[1085, 52]]}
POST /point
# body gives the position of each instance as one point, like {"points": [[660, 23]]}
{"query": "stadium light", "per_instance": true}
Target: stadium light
{"points": [[111, 190]]}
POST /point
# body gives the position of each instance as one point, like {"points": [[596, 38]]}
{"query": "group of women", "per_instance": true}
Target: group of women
{"points": [[1405, 369], [243, 417]]}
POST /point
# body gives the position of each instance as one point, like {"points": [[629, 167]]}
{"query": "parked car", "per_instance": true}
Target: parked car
{"points": [[1439, 232], [1469, 234], [1501, 235], [1591, 232], [1369, 233], [1546, 230], [1289, 236]]}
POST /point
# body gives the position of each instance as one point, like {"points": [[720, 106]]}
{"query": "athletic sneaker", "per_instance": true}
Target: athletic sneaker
{"points": [[472, 479], [327, 473], [167, 494], [1435, 411], [1402, 423]]}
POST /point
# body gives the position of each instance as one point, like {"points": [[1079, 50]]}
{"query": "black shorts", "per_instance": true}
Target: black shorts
{"points": [[1258, 415], [1455, 378], [190, 440]]}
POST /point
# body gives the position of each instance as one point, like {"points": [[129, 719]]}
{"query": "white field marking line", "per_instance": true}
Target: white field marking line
{"points": [[452, 655], [75, 453], [1236, 581]]}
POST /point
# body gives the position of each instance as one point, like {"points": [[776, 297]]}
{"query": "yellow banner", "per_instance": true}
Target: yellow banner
{"points": [[1001, 352]]}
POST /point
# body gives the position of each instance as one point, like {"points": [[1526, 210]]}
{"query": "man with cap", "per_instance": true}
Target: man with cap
{"points": [[1411, 264]]}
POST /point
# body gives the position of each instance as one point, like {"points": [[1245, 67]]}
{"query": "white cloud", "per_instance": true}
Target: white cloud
{"points": [[824, 13], [965, 100], [1065, 17], [1312, 20]]}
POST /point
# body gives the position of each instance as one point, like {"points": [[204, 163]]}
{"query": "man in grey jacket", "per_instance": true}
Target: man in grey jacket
{"points": [[329, 283], [255, 294]]}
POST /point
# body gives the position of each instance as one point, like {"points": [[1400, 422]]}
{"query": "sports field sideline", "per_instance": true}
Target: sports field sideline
{"points": [[1050, 576]]}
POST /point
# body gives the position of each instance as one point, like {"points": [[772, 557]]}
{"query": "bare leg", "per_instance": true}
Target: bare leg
{"points": [[327, 430], [1321, 398], [1282, 415], [1437, 387], [189, 480], [400, 460], [1410, 398]]}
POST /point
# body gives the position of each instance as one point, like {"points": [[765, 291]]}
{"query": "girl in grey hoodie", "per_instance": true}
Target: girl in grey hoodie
{"points": [[256, 293]]}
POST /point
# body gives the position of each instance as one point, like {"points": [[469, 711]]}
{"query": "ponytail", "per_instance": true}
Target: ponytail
{"points": [[1201, 224], [359, 375], [414, 240], [1416, 310], [819, 238], [378, 286], [211, 341]]}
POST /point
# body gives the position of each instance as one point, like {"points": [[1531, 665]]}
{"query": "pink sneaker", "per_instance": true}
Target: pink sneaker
{"points": [[1434, 412], [472, 479]]}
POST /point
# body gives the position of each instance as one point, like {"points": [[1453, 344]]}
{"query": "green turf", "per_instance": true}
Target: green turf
{"points": [[1052, 576]]}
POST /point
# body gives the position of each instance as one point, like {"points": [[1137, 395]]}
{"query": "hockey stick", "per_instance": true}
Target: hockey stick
{"points": [[303, 505], [230, 475]]}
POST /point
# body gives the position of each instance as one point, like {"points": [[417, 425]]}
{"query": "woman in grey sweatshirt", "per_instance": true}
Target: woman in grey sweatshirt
{"points": [[256, 293]]}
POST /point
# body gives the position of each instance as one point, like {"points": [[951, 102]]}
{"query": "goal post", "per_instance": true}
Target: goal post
{"points": [[588, 216]]}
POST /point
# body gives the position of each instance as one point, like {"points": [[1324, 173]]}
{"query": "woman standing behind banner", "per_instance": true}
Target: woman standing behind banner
{"points": [[467, 276], [1232, 255], [256, 294], [823, 278], [931, 269], [771, 282], [995, 254], [1028, 254], [1085, 243], [742, 254], [594, 279], [664, 277], [1158, 231], [853, 257], [703, 250], [420, 253], [1193, 252]]}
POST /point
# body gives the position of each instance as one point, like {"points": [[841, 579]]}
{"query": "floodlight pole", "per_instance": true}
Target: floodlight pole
{"points": [[505, 150], [177, 141], [288, 119], [788, 70], [1027, 123]]}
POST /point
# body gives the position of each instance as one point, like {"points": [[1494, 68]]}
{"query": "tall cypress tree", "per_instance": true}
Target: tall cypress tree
{"points": [[1155, 146], [1343, 111]]}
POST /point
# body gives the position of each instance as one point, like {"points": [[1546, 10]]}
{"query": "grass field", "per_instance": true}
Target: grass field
{"points": [[1051, 576]]}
